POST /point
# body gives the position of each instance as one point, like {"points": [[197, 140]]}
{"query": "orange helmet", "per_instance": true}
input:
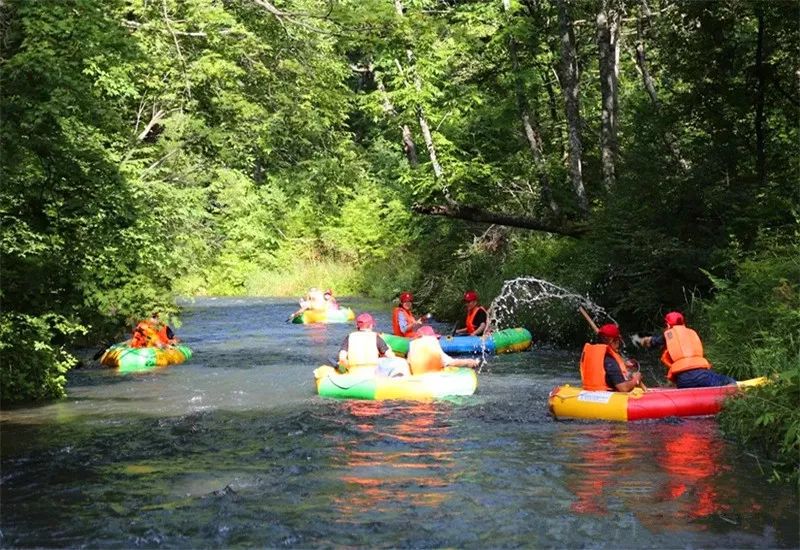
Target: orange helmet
{"points": [[673, 318], [406, 297], [470, 296]]}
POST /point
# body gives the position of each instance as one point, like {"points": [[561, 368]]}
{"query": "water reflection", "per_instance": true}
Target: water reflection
{"points": [[403, 457], [673, 476]]}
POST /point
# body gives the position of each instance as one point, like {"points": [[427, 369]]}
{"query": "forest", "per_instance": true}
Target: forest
{"points": [[641, 152]]}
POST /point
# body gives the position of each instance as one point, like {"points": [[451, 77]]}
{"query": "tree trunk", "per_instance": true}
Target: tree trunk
{"points": [[608, 46], [641, 64], [423, 121], [570, 87], [531, 129], [761, 164], [475, 214], [409, 147]]}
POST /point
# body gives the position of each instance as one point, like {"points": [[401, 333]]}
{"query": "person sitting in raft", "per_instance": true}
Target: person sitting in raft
{"points": [[314, 299], [152, 333], [403, 321], [602, 366], [683, 355], [330, 301], [425, 354], [361, 350], [477, 318]]}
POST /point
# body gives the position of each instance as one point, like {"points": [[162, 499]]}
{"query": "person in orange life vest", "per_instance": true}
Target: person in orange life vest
{"points": [[683, 355], [361, 350], [152, 333], [477, 318], [602, 366], [403, 321], [425, 354]]}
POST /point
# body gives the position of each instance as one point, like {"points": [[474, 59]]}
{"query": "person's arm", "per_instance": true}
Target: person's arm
{"points": [[615, 378], [343, 349], [402, 323], [383, 348], [655, 341]]}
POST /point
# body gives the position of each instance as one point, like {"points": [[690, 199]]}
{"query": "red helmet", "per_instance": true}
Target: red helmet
{"points": [[364, 319], [406, 297], [609, 330], [673, 318], [470, 296], [426, 330]]}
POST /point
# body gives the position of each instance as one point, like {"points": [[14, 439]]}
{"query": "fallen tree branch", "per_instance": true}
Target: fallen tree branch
{"points": [[475, 214]]}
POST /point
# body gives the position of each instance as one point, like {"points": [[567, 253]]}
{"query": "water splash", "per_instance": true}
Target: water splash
{"points": [[529, 292]]}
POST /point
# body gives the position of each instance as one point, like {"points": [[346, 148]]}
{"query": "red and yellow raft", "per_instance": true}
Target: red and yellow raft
{"points": [[572, 402]]}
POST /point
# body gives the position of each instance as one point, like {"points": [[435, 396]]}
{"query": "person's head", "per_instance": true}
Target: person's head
{"points": [[610, 334], [328, 294], [673, 318], [406, 299], [154, 316], [425, 330], [364, 321], [471, 298]]}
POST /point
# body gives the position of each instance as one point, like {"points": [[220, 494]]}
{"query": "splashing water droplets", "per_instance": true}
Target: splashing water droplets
{"points": [[528, 293]]}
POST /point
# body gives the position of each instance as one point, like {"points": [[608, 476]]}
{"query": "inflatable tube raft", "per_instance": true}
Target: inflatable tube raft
{"points": [[341, 315], [128, 359], [571, 402], [451, 381], [502, 341]]}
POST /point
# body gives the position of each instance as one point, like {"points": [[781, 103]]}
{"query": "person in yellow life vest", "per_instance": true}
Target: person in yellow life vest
{"points": [[152, 333], [477, 318], [683, 355], [403, 321], [602, 366], [361, 351], [425, 354]]}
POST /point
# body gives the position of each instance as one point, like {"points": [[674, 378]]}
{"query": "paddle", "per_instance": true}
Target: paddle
{"points": [[588, 319]]}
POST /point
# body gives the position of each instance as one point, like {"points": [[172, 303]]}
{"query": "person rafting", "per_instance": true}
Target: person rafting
{"points": [[330, 301], [152, 333], [425, 354], [602, 366], [477, 318], [683, 355], [362, 349], [313, 300], [403, 321]]}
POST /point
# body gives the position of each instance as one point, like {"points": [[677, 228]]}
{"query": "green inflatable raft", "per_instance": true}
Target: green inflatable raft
{"points": [[451, 381], [129, 359], [502, 341]]}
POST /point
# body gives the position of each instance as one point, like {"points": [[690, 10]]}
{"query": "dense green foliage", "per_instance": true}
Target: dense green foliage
{"points": [[158, 148]]}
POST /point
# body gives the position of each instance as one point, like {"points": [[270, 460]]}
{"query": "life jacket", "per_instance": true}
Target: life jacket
{"points": [[593, 373], [684, 351], [424, 355], [396, 314], [471, 316], [163, 335], [362, 351], [145, 335]]}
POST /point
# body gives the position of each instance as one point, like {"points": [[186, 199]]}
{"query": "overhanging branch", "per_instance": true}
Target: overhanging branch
{"points": [[475, 214]]}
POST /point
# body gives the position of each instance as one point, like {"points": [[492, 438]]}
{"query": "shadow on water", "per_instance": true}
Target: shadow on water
{"points": [[234, 449]]}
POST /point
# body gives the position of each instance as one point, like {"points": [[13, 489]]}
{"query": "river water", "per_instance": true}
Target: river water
{"points": [[234, 449]]}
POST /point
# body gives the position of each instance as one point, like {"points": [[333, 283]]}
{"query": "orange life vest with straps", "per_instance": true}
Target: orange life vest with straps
{"points": [[402, 312], [684, 351], [593, 373], [145, 335], [424, 355], [471, 317]]}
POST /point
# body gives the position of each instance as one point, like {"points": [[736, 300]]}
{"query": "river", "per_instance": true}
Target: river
{"points": [[234, 449]]}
